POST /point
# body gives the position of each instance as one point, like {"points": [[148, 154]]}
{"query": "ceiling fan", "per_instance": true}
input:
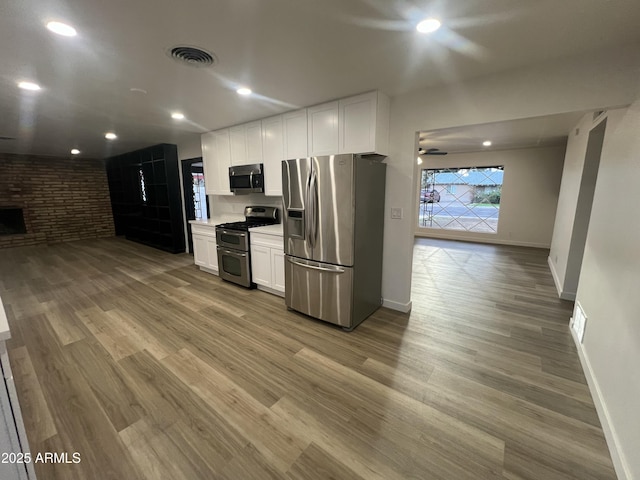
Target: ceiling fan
{"points": [[431, 151]]}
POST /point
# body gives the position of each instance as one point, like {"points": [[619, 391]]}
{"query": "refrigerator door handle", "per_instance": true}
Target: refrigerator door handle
{"points": [[332, 269], [307, 217], [312, 202]]}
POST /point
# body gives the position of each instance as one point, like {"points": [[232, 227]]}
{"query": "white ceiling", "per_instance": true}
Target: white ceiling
{"points": [[290, 52], [526, 133]]}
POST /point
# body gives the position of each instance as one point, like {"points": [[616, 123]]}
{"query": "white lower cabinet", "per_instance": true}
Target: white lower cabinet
{"points": [[267, 262], [261, 265], [200, 254], [205, 254], [277, 265]]}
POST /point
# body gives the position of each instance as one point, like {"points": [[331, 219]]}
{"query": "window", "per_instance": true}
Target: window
{"points": [[462, 198]]}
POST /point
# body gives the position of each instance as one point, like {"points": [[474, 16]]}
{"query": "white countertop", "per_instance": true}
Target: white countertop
{"points": [[275, 230], [5, 334]]}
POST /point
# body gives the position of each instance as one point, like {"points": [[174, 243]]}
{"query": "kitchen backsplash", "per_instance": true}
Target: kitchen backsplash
{"points": [[234, 204]]}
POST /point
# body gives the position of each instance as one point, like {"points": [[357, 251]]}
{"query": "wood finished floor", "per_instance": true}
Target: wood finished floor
{"points": [[151, 369]]}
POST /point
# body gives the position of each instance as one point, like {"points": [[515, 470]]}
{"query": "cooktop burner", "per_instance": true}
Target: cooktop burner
{"points": [[254, 217], [244, 226]]}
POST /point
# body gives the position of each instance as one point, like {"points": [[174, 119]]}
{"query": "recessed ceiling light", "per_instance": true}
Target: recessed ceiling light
{"points": [[29, 86], [62, 29], [487, 143], [75, 151], [428, 26], [244, 91], [110, 136], [177, 116]]}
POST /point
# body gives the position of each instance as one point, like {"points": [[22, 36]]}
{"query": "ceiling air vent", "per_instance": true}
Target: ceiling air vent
{"points": [[7, 138], [192, 56]]}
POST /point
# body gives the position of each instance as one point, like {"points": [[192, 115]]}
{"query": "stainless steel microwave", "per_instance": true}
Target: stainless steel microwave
{"points": [[247, 178]]}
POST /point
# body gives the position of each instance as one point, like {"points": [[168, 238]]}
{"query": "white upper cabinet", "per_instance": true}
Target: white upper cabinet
{"points": [[323, 129], [216, 158], [357, 124], [254, 142], [364, 124], [209, 165], [273, 154], [238, 141], [294, 125], [246, 143]]}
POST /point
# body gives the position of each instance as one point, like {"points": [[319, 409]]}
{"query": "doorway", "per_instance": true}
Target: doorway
{"points": [[196, 202]]}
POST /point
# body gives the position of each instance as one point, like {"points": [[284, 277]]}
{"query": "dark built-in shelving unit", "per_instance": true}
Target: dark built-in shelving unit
{"points": [[148, 211]]}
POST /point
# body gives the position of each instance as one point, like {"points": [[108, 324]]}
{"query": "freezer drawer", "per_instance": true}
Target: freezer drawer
{"points": [[320, 290]]}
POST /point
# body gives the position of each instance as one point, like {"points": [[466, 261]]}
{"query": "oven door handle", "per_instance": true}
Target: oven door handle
{"points": [[314, 267], [235, 233], [232, 253]]}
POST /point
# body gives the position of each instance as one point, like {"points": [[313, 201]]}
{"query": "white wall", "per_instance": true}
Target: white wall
{"points": [[609, 290], [190, 148], [565, 215], [187, 149], [529, 194], [591, 81]]}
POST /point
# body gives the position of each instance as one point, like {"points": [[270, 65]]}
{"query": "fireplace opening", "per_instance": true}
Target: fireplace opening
{"points": [[11, 221]]}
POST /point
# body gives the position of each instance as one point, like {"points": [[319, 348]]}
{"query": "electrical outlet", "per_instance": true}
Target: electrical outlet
{"points": [[579, 322], [396, 213]]}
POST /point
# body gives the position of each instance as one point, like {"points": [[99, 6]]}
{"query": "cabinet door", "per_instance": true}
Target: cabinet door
{"points": [[200, 255], [294, 126], [223, 162], [210, 165], [323, 129], [277, 270], [216, 158], [254, 142], [273, 154], [357, 122], [212, 253], [238, 141], [261, 265]]}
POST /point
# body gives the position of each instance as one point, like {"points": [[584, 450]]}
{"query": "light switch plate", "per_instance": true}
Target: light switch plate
{"points": [[396, 213]]}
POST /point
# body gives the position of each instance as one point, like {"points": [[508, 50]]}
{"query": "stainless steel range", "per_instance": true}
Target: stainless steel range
{"points": [[234, 255]]}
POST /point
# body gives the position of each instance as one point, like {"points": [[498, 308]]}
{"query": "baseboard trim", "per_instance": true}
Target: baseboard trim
{"points": [[556, 280], [489, 239], [208, 270], [400, 307], [554, 274], [617, 457], [270, 290]]}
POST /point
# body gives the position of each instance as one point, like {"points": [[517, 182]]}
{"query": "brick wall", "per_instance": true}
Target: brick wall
{"points": [[63, 199]]}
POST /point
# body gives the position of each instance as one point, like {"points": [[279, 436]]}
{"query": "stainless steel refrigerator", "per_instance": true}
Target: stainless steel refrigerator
{"points": [[333, 230]]}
